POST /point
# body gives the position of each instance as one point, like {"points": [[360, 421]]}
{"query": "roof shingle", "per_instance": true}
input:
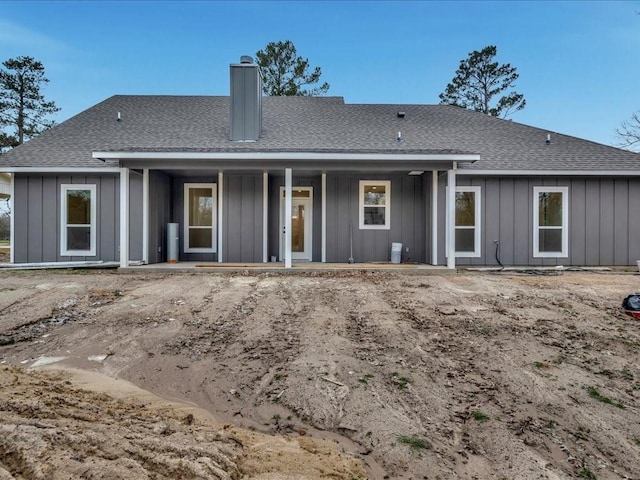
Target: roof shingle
{"points": [[310, 124]]}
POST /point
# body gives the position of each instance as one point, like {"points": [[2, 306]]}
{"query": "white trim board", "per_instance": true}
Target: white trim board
{"points": [[477, 240], [365, 157], [186, 228], [64, 225], [564, 228]]}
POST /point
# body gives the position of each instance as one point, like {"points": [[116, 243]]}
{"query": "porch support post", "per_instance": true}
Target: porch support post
{"points": [[265, 216], [124, 217], [219, 214], [12, 219], [287, 217], [323, 193], [145, 216], [451, 217], [434, 217]]}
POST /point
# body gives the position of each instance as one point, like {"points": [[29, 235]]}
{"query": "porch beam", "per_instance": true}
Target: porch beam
{"points": [[220, 190], [124, 217], [434, 218], [145, 216], [451, 217], [265, 217], [287, 216], [323, 194]]}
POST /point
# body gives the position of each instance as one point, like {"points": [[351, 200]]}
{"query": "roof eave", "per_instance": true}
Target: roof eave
{"points": [[283, 156]]}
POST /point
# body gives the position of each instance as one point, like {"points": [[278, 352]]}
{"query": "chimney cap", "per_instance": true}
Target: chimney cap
{"points": [[246, 59]]}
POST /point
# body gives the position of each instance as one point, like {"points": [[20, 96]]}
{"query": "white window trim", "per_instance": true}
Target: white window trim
{"points": [[476, 227], [214, 219], [387, 205], [64, 252], [565, 222]]}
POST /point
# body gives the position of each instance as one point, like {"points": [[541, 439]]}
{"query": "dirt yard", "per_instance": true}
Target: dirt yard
{"points": [[351, 375]]}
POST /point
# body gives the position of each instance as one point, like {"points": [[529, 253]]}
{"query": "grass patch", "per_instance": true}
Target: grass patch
{"points": [[365, 378], [415, 444], [637, 441], [586, 473], [480, 417], [596, 395], [402, 382]]}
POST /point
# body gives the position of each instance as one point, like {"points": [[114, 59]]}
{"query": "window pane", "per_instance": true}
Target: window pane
{"points": [[78, 238], [465, 209], [78, 207], [374, 215], [297, 193], [200, 207], [200, 238], [550, 209], [374, 195], [465, 240], [550, 240], [297, 228]]}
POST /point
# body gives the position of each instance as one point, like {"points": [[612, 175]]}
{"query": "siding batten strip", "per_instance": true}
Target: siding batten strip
{"points": [[265, 217], [124, 217]]}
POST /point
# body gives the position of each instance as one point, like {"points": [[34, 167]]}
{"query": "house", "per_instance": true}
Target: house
{"points": [[249, 178]]}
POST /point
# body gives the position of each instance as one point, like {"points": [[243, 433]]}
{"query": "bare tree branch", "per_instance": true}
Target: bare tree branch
{"points": [[629, 133]]}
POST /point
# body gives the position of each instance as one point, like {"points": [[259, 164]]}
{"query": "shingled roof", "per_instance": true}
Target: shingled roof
{"points": [[310, 124]]}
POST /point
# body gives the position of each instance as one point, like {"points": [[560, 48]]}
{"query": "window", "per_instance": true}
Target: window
{"points": [[375, 203], [199, 217], [78, 220], [467, 221], [550, 221]]}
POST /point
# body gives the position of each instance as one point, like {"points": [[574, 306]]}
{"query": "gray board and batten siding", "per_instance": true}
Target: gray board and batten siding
{"points": [[37, 217], [160, 214], [242, 200], [604, 220], [407, 219], [242, 221]]}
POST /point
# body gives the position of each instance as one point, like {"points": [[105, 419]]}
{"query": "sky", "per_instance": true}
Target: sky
{"points": [[577, 60]]}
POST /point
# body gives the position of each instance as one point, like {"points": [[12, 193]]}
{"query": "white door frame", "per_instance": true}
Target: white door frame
{"points": [[308, 223]]}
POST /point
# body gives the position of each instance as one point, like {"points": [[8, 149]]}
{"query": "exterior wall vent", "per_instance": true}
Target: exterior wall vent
{"points": [[246, 100]]}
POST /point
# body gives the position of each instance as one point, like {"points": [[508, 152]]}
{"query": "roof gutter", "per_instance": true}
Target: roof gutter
{"points": [[548, 173], [59, 169], [280, 156]]}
